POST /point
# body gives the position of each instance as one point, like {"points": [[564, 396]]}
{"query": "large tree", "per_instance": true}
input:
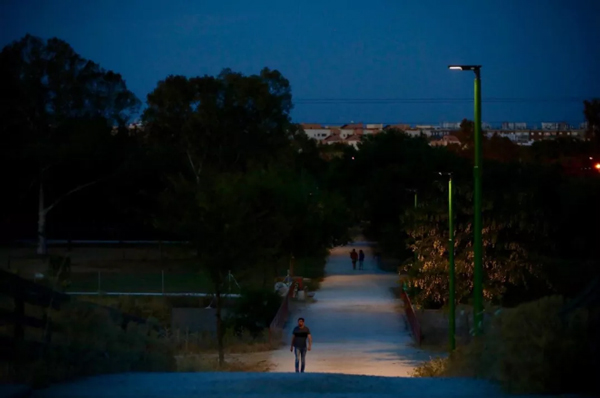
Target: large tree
{"points": [[223, 123], [57, 112], [224, 133]]}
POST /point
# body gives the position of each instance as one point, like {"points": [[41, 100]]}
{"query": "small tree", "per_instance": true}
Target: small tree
{"points": [[513, 235], [219, 219]]}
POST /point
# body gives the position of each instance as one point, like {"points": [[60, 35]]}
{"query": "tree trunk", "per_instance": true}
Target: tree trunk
{"points": [[220, 331], [42, 248]]}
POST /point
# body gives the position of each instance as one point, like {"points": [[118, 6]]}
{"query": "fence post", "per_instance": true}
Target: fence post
{"points": [[48, 330], [121, 245], [160, 249], [19, 331]]}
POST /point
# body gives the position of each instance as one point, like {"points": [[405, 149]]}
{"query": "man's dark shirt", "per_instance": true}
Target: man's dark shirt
{"points": [[300, 336]]}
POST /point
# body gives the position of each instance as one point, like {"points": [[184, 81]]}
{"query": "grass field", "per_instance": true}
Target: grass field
{"points": [[130, 269], [140, 268], [139, 282], [133, 269]]}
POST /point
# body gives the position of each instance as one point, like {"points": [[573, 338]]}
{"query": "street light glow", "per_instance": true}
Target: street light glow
{"points": [[597, 166], [464, 67]]}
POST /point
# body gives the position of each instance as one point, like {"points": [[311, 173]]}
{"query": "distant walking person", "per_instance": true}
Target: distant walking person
{"points": [[353, 257], [301, 333], [361, 259]]}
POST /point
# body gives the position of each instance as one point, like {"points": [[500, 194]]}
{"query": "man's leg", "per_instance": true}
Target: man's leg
{"points": [[296, 349], [303, 356]]}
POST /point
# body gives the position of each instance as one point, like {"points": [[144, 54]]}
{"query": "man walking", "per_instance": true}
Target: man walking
{"points": [[301, 333], [361, 259], [353, 257]]}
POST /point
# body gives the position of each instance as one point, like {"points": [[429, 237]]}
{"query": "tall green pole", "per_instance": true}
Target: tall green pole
{"points": [[452, 316], [478, 271]]}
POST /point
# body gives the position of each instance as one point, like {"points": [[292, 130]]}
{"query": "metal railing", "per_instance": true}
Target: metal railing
{"points": [[415, 327]]}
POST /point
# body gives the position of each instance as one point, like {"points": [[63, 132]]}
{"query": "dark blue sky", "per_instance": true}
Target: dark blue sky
{"points": [[548, 49]]}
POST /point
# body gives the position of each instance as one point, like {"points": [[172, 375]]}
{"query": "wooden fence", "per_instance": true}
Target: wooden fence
{"points": [[22, 291]]}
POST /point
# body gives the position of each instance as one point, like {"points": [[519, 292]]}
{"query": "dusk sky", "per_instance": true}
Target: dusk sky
{"points": [[545, 53]]}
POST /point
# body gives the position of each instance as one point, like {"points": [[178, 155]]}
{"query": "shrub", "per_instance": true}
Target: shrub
{"points": [[89, 341], [158, 308], [529, 349], [253, 311], [435, 367]]}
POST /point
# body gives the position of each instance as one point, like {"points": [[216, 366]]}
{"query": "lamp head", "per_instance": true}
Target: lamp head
{"points": [[464, 67]]}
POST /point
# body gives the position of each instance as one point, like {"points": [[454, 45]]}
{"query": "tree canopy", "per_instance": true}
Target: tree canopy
{"points": [[57, 112]]}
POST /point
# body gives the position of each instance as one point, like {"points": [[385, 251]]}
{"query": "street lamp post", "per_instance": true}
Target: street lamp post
{"points": [[451, 269], [477, 222]]}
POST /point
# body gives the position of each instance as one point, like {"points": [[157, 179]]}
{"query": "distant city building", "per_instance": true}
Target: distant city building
{"points": [[444, 134], [413, 132], [426, 127], [318, 134], [398, 126], [555, 126], [445, 141], [518, 137], [353, 126], [514, 126], [451, 125]]}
